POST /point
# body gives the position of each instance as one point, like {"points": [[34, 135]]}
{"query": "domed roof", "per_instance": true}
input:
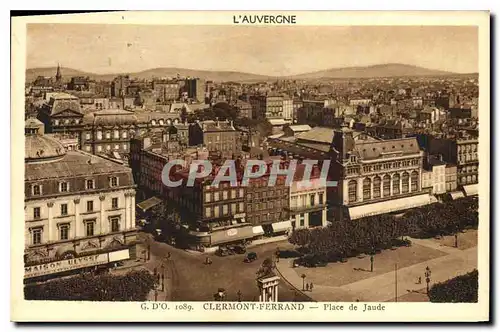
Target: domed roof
{"points": [[110, 117], [41, 148]]}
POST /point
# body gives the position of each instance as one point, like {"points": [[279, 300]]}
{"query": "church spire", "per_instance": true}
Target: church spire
{"points": [[58, 73]]}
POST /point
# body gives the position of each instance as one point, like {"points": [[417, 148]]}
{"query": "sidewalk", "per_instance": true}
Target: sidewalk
{"points": [[382, 288]]}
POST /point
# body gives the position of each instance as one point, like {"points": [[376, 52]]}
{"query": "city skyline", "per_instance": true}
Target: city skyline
{"points": [[276, 51]]}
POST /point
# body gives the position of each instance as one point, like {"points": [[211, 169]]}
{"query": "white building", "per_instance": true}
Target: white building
{"points": [[76, 204], [307, 200]]}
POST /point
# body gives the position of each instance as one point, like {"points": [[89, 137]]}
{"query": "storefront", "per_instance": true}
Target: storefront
{"points": [[389, 206], [74, 264]]}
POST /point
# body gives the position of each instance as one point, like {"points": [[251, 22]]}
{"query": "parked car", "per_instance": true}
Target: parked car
{"points": [[222, 252], [251, 256], [239, 249]]}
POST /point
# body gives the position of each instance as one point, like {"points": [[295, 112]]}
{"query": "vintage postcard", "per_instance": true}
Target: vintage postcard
{"points": [[251, 166]]}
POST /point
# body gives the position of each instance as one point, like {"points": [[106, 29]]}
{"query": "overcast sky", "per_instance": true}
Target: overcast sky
{"points": [[262, 50]]}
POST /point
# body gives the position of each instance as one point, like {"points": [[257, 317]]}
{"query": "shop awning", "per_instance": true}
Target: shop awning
{"points": [[149, 203], [257, 230], [456, 194], [281, 226], [389, 206], [231, 235], [471, 189]]}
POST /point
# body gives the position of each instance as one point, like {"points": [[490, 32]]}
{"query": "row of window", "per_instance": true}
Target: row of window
{"points": [[383, 184], [226, 209], [116, 135], [64, 187], [469, 169], [66, 122], [256, 207], [226, 194], [396, 164], [467, 148], [265, 194], [467, 157], [36, 233], [64, 208], [301, 201], [468, 179], [268, 217]]}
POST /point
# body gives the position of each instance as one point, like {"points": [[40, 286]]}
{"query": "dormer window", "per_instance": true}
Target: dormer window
{"points": [[90, 184], [161, 122], [63, 187], [36, 189], [108, 135], [153, 122], [56, 122], [353, 159], [113, 181]]}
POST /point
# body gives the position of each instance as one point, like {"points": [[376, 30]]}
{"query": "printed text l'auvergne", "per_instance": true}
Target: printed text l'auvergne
{"points": [[264, 19]]}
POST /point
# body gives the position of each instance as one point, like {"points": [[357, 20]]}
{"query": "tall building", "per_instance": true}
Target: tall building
{"points": [[76, 204], [109, 131], [58, 75], [308, 206], [460, 150], [120, 85], [376, 177], [216, 136], [166, 90], [62, 113], [267, 206], [195, 89]]}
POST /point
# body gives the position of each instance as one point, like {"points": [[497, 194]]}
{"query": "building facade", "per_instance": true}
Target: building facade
{"points": [[75, 203], [216, 136], [308, 206], [377, 176]]}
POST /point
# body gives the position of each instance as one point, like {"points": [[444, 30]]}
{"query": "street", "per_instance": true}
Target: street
{"points": [[190, 279]]}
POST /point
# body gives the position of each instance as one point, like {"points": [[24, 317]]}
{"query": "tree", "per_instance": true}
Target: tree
{"points": [[459, 289]]}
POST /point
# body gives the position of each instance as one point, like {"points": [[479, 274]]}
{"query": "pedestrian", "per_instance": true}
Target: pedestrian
{"points": [[307, 287], [419, 280], [311, 287]]}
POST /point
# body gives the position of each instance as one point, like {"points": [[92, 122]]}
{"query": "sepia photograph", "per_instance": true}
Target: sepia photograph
{"points": [[259, 164]]}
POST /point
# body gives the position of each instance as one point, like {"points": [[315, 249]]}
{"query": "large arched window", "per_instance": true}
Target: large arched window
{"points": [[395, 184], [353, 189], [405, 185], [367, 188], [387, 185], [414, 181], [376, 187]]}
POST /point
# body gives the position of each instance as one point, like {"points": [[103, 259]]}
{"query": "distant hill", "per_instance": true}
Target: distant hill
{"points": [[385, 70], [217, 76]]}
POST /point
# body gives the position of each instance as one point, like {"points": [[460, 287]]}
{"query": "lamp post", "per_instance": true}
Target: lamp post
{"points": [[456, 239], [427, 277], [303, 276], [239, 295], [371, 262]]}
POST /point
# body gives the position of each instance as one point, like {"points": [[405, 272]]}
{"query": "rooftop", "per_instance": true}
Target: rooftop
{"points": [[318, 134], [72, 164], [378, 149]]}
